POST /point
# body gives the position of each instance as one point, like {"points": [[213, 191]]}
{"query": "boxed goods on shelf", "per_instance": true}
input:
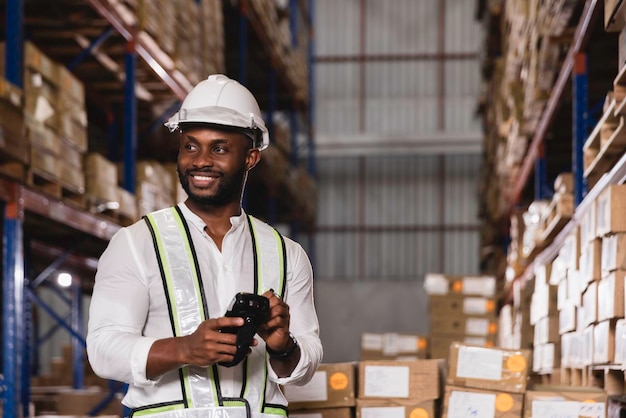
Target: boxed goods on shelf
{"points": [[610, 210], [604, 342], [613, 254], [13, 148], [323, 413], [333, 386], [481, 402]]}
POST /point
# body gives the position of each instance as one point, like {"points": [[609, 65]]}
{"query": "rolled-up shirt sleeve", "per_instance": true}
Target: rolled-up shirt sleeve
{"points": [[116, 346], [304, 324]]}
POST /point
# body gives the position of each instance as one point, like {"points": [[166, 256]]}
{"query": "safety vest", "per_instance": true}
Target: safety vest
{"points": [[188, 308]]}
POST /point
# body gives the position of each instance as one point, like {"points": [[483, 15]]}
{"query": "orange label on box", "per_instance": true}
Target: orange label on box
{"points": [[338, 381], [457, 286], [421, 344], [418, 413], [504, 402], [490, 306], [516, 363], [493, 328]]}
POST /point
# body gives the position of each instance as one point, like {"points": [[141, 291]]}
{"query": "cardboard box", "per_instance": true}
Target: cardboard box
{"points": [[81, 402], [570, 251], [546, 401], [588, 225], [586, 345], [611, 293], [620, 342], [416, 380], [323, 413], [441, 284], [613, 253], [460, 304], [611, 210], [483, 326], [393, 346], [12, 132], [604, 342], [332, 386], [395, 408], [547, 330], [482, 403], [591, 261], [440, 343], [488, 368], [543, 302], [98, 166], [567, 318], [590, 305]]}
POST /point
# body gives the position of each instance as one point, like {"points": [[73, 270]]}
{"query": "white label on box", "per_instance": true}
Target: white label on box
{"points": [[479, 363], [387, 381], [475, 306], [568, 409], [472, 405], [475, 340], [383, 412], [436, 284], [390, 344], [477, 326], [372, 341], [408, 343], [485, 286], [314, 391], [303, 415]]}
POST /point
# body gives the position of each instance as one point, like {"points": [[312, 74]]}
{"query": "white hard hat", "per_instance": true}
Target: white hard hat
{"points": [[222, 101]]}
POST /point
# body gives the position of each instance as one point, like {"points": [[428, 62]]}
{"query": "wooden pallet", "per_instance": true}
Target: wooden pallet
{"points": [[558, 215], [52, 186], [601, 153], [99, 207]]}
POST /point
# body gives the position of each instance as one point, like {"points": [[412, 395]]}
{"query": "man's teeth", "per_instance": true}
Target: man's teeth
{"points": [[202, 177]]}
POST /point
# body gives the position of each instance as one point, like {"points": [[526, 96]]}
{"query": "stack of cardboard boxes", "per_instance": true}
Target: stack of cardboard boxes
{"points": [[485, 382], [461, 309]]}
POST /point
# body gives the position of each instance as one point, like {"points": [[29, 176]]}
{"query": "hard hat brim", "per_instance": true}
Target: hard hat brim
{"points": [[219, 116]]}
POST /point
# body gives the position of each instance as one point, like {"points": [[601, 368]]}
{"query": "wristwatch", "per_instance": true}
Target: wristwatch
{"points": [[284, 354]]}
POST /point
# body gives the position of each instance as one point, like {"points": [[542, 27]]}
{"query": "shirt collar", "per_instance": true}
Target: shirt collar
{"points": [[235, 221]]}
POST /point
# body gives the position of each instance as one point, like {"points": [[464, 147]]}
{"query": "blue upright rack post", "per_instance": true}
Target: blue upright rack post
{"points": [[130, 119], [78, 346], [541, 169], [579, 118], [12, 311], [14, 52]]}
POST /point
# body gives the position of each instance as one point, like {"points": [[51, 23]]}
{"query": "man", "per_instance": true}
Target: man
{"points": [[164, 284]]}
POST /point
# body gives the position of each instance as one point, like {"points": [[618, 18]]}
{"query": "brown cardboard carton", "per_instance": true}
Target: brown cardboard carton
{"points": [[393, 346], [483, 325], [488, 368], [590, 305], [464, 401], [591, 261], [611, 210], [416, 380], [442, 284], [396, 408], [440, 343], [323, 413], [613, 253], [81, 402], [604, 342], [460, 304], [332, 386], [549, 400], [97, 165], [611, 293]]}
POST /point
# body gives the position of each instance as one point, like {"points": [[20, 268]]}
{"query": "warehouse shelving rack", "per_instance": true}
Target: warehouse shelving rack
{"points": [[573, 69], [62, 234]]}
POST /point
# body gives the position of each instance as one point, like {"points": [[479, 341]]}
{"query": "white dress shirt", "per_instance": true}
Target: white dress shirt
{"points": [[129, 311]]}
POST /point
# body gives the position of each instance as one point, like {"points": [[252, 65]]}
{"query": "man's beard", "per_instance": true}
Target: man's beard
{"points": [[229, 189]]}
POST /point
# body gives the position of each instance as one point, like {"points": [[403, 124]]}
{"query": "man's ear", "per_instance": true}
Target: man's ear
{"points": [[253, 158]]}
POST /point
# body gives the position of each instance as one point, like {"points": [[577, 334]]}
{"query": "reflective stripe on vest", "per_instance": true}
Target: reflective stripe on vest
{"points": [[187, 305]]}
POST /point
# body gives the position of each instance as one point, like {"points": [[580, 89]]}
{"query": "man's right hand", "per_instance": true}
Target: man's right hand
{"points": [[204, 347]]}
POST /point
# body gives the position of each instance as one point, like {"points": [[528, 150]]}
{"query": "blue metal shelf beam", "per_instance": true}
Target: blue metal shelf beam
{"points": [[130, 119], [87, 51], [14, 51]]}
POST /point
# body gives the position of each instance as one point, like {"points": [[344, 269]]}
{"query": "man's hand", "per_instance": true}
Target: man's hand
{"points": [[204, 347], [275, 333]]}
